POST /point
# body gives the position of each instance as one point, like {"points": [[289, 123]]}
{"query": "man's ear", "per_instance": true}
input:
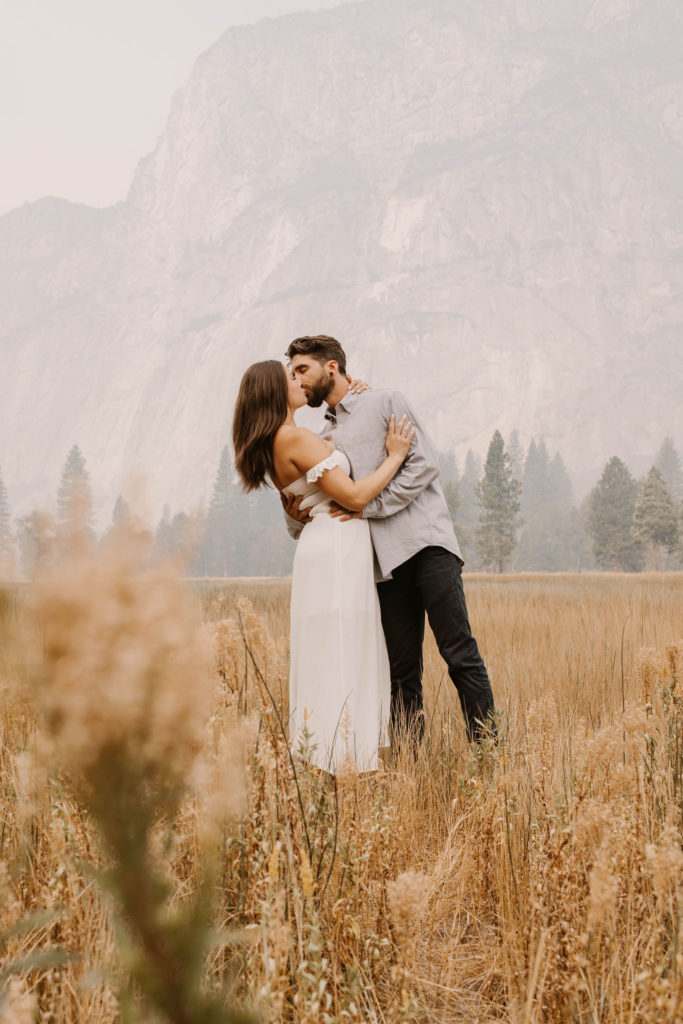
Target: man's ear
{"points": [[331, 367]]}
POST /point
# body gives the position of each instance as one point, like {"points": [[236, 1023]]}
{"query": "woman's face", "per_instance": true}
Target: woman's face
{"points": [[295, 395]]}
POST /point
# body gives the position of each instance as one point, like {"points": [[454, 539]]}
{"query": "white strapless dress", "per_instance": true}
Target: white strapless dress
{"points": [[339, 684]]}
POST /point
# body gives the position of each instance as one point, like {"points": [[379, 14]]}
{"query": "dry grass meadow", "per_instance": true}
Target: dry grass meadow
{"points": [[162, 857]]}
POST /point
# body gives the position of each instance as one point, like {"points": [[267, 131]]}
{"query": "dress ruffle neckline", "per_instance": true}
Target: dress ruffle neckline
{"points": [[315, 472]]}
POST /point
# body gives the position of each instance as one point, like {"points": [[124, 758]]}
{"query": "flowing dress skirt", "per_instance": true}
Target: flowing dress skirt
{"points": [[339, 689]]}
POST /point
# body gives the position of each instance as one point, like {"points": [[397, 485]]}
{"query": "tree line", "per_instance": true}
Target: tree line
{"points": [[237, 535], [517, 512], [513, 512]]}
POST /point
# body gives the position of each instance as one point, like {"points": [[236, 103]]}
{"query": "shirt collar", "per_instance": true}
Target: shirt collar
{"points": [[346, 403]]}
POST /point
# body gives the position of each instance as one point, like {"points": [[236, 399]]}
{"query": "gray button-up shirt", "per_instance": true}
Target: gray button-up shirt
{"points": [[411, 512]]}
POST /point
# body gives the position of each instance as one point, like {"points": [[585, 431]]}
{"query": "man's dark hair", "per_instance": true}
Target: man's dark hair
{"points": [[322, 347]]}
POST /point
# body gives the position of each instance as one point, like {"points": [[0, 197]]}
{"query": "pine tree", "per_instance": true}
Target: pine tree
{"points": [[579, 548], [467, 513], [535, 481], [448, 467], [533, 542], [448, 476], [560, 485], [181, 535], [266, 547], [571, 547], [668, 462], [74, 499], [121, 513], [552, 536], [218, 546], [179, 538], [6, 537], [163, 538], [611, 506], [451, 493], [37, 535], [516, 453], [188, 530], [498, 498], [655, 519], [120, 517]]}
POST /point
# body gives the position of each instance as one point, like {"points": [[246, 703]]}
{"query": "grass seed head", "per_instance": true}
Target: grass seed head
{"points": [[648, 669], [603, 889], [19, 1005], [407, 896], [665, 860], [124, 669]]}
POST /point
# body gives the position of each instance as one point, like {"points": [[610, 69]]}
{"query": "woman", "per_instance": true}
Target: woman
{"points": [[339, 671]]}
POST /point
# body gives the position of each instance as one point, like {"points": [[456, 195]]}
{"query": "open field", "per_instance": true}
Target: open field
{"points": [[539, 881]]}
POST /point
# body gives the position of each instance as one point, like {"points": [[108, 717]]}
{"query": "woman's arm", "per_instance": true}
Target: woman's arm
{"points": [[307, 450]]}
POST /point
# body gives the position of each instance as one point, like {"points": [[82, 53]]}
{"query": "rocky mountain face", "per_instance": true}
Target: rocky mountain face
{"points": [[480, 198]]}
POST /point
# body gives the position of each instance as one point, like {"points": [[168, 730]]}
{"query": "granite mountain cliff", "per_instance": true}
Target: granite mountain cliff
{"points": [[480, 198]]}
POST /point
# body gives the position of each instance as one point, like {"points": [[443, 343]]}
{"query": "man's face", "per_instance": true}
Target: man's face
{"points": [[316, 379], [295, 395]]}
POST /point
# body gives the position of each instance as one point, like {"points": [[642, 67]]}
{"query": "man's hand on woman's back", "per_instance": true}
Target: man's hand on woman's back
{"points": [[291, 503]]}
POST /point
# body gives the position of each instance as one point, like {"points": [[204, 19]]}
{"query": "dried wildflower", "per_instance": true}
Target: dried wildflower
{"points": [[407, 896], [30, 780], [125, 691], [19, 1005], [254, 630], [109, 1002], [542, 722], [307, 883], [601, 749], [10, 907], [219, 784], [591, 824], [666, 861], [267, 760], [648, 669], [273, 864], [604, 889], [347, 772], [607, 748], [633, 732], [123, 669], [228, 650], [276, 942], [674, 658]]}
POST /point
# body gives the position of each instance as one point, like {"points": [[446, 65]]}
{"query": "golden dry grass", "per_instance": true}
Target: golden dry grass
{"points": [[538, 881]]}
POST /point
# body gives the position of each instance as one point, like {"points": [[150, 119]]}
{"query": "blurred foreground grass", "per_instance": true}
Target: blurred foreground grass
{"points": [[539, 881]]}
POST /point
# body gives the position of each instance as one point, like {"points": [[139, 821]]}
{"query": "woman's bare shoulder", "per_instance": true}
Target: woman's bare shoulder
{"points": [[311, 440], [297, 438], [286, 431]]}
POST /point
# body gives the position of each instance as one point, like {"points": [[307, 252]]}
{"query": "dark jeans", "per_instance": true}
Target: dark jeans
{"points": [[431, 582]]}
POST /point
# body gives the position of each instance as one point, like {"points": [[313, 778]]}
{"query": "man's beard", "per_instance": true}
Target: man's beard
{"points": [[317, 393]]}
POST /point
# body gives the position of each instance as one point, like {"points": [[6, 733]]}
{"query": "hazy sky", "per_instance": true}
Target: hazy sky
{"points": [[86, 85]]}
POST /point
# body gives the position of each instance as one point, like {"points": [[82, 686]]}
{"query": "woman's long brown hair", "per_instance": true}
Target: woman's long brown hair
{"points": [[260, 410]]}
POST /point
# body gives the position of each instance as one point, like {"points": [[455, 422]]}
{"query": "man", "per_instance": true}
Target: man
{"points": [[418, 565]]}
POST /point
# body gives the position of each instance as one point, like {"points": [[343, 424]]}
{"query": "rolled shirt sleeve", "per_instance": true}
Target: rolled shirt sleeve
{"points": [[418, 471], [294, 527]]}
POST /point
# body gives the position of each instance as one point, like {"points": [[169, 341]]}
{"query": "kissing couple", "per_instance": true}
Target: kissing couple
{"points": [[376, 549]]}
